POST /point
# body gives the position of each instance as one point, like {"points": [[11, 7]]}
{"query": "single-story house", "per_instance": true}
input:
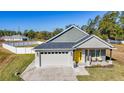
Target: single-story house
{"points": [[70, 47], [15, 38]]}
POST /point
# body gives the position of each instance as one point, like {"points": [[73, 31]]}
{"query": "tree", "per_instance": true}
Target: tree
{"points": [[19, 33], [31, 34], [39, 35], [108, 25], [122, 23], [67, 26], [56, 31], [92, 25]]}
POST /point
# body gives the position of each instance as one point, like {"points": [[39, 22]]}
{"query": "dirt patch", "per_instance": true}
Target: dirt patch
{"points": [[5, 56], [118, 54]]}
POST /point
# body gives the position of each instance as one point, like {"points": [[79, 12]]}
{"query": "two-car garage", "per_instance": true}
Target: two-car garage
{"points": [[56, 58]]}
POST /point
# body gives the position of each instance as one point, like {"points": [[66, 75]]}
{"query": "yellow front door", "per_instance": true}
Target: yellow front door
{"points": [[77, 55]]}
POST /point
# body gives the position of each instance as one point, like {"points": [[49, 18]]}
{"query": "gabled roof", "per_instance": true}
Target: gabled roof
{"points": [[67, 36], [85, 41], [93, 41], [70, 45], [59, 45]]}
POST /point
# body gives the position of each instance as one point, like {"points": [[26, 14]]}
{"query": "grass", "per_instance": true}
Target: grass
{"points": [[104, 74], [11, 63]]}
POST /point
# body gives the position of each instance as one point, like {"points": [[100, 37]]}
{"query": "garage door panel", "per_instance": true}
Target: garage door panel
{"points": [[55, 60]]}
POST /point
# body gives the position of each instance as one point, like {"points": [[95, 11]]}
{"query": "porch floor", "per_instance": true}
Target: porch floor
{"points": [[103, 63], [100, 63]]}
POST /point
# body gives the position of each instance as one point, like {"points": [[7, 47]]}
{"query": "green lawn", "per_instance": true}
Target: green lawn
{"points": [[11, 63], [105, 74]]}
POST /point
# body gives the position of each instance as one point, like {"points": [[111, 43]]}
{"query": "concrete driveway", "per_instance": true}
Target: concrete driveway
{"points": [[52, 73]]}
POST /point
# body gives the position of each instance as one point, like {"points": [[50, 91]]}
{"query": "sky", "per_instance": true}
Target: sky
{"points": [[44, 20]]}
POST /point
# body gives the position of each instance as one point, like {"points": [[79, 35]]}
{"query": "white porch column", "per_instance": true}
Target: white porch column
{"points": [[71, 59], [37, 59], [39, 55], [83, 56], [88, 61], [88, 55]]}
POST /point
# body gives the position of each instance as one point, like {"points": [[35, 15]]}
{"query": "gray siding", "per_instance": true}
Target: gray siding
{"points": [[93, 43], [70, 36]]}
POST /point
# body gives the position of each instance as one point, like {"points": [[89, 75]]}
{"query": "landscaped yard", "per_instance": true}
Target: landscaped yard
{"points": [[11, 63], [109, 73]]}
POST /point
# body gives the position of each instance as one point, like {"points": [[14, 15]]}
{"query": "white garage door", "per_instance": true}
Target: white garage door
{"points": [[56, 59]]}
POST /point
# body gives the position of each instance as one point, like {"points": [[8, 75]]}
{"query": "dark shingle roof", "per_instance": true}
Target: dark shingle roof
{"points": [[54, 45], [59, 45], [83, 39]]}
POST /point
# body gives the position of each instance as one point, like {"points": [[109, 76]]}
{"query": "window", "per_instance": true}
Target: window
{"points": [[66, 52], [98, 53], [45, 52], [63, 52], [92, 53], [103, 52], [56, 52], [52, 52], [41, 53], [59, 52], [48, 52]]}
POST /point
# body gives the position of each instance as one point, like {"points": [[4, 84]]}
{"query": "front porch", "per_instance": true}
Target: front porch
{"points": [[92, 57]]}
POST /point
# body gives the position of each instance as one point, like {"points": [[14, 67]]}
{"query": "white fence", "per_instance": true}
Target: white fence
{"points": [[25, 43], [18, 50], [116, 41]]}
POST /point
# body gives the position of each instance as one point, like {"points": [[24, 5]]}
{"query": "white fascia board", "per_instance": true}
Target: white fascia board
{"points": [[54, 49], [113, 48], [104, 41], [97, 38]]}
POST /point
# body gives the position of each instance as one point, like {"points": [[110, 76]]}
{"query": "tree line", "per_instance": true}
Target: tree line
{"points": [[32, 34], [108, 26]]}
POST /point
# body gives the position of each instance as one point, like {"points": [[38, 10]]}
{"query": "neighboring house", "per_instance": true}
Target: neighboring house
{"points": [[72, 46], [15, 38]]}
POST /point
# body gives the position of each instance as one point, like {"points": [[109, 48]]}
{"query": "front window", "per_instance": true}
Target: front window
{"points": [[98, 53], [92, 53]]}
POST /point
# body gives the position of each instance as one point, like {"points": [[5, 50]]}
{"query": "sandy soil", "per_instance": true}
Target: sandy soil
{"points": [[118, 54]]}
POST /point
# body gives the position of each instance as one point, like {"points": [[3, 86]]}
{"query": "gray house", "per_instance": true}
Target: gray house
{"points": [[70, 47]]}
